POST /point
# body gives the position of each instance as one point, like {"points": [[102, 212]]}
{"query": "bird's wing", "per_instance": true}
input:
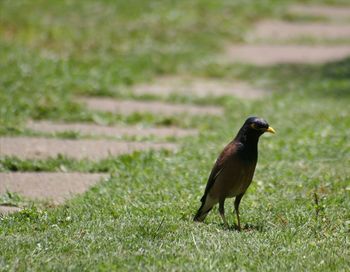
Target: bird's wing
{"points": [[219, 165]]}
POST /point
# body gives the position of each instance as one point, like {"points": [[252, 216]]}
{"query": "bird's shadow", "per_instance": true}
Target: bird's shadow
{"points": [[245, 228]]}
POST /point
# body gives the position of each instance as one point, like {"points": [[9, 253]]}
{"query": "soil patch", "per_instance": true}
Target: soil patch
{"points": [[55, 187], [40, 148], [154, 107], [276, 54], [111, 131]]}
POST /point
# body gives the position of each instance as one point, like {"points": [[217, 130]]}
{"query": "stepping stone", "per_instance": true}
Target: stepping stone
{"points": [[4, 210], [159, 108], [111, 131], [200, 87], [335, 12], [278, 30], [276, 54], [55, 187], [40, 148]]}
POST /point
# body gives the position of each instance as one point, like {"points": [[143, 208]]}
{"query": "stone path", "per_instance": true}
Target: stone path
{"points": [[200, 87], [55, 187], [331, 12], [41, 148], [275, 54], [110, 131], [270, 38], [4, 210], [128, 107], [279, 30]]}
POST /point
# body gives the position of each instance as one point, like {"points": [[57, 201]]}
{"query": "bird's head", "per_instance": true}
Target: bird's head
{"points": [[256, 125], [252, 129]]}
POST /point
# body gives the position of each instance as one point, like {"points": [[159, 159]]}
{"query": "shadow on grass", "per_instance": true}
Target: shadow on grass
{"points": [[247, 228], [219, 224], [336, 70], [330, 79]]}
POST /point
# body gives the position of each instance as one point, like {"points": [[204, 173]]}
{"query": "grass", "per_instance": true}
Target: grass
{"points": [[10, 199], [141, 218]]}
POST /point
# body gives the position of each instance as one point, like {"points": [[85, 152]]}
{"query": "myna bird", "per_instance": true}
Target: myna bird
{"points": [[234, 169]]}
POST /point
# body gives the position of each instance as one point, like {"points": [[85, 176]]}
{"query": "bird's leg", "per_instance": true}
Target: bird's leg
{"points": [[237, 201], [222, 211]]}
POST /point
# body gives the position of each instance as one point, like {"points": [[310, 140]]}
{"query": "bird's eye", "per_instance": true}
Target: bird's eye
{"points": [[258, 126], [254, 126]]}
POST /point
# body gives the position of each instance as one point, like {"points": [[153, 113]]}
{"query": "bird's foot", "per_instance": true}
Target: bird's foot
{"points": [[237, 227], [224, 220]]}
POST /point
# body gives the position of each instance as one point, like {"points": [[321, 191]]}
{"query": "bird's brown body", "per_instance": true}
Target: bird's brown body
{"points": [[234, 178], [233, 170]]}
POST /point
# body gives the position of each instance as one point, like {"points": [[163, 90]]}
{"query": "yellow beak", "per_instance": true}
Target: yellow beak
{"points": [[271, 130]]}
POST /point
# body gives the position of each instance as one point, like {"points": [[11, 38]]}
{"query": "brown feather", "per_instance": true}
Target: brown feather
{"points": [[228, 151]]}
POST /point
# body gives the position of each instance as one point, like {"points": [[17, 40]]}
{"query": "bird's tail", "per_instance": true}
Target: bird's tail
{"points": [[204, 209]]}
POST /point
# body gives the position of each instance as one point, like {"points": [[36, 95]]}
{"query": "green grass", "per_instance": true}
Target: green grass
{"points": [[10, 199], [141, 218]]}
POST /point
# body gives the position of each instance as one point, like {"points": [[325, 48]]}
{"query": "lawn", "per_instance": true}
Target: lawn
{"points": [[141, 218]]}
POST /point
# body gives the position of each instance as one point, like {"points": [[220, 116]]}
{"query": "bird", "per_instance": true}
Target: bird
{"points": [[233, 170]]}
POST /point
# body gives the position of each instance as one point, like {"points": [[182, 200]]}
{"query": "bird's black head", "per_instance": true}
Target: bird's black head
{"points": [[258, 125], [253, 128]]}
